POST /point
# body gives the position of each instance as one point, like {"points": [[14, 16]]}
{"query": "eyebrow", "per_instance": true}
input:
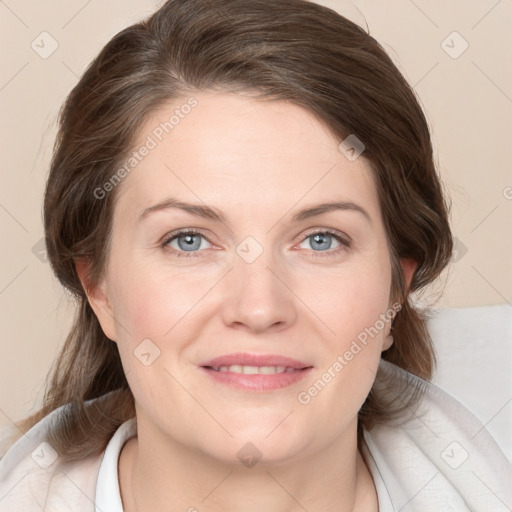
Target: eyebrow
{"points": [[200, 210], [209, 212], [318, 209]]}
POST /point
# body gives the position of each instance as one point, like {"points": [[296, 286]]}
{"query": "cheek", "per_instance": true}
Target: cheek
{"points": [[156, 310], [156, 298], [355, 299], [356, 309]]}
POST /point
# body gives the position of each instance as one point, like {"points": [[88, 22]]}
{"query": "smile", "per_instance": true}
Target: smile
{"points": [[254, 370]]}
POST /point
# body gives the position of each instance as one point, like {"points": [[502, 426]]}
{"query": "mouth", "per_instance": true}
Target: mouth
{"points": [[252, 372]]}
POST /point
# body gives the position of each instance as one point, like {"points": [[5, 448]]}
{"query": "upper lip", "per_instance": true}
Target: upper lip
{"points": [[243, 359]]}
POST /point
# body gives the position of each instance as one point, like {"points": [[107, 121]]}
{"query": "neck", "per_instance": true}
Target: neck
{"points": [[179, 478]]}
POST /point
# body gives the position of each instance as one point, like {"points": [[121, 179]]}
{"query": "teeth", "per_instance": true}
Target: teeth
{"points": [[254, 370]]}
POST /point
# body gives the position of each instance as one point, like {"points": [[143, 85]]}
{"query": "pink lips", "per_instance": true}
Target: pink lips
{"points": [[294, 371]]}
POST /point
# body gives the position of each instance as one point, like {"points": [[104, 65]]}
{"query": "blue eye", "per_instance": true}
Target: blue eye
{"points": [[321, 241], [186, 241], [192, 243], [325, 241]]}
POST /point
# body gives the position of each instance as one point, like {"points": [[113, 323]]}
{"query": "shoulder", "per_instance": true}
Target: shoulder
{"points": [[439, 455], [32, 477]]}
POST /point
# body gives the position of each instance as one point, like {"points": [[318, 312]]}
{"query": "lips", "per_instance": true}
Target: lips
{"points": [[258, 360], [253, 370], [256, 372]]}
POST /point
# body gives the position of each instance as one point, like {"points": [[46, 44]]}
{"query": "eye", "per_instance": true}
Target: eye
{"points": [[325, 241], [186, 242]]}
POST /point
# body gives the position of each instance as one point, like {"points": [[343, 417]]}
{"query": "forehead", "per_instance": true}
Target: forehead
{"points": [[233, 150]]}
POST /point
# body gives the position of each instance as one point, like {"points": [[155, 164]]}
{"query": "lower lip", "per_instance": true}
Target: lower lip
{"points": [[257, 382]]}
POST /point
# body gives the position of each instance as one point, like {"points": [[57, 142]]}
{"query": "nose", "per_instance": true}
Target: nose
{"points": [[257, 297]]}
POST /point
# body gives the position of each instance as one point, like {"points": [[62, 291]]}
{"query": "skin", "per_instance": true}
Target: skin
{"points": [[258, 162]]}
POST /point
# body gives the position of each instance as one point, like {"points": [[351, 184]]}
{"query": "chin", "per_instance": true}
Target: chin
{"points": [[254, 445]]}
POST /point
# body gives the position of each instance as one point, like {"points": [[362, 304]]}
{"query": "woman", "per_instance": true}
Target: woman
{"points": [[242, 198]]}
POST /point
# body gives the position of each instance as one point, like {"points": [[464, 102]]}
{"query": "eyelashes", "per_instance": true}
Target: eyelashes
{"points": [[187, 234], [190, 238], [319, 237]]}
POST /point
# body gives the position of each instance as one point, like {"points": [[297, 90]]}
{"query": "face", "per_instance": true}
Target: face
{"points": [[244, 310]]}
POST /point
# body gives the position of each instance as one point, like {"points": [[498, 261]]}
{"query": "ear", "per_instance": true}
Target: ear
{"points": [[408, 267], [388, 341], [98, 299]]}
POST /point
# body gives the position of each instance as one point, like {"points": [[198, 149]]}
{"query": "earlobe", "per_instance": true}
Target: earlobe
{"points": [[387, 342], [408, 268], [97, 295]]}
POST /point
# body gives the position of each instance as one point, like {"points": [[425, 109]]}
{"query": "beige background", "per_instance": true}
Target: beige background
{"points": [[468, 101]]}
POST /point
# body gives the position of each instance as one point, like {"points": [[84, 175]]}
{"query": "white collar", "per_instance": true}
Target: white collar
{"points": [[108, 494]]}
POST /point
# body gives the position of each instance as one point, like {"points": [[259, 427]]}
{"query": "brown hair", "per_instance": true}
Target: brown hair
{"points": [[290, 50]]}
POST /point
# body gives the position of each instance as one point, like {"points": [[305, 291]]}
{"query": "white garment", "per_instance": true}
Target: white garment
{"points": [[108, 496], [440, 459]]}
